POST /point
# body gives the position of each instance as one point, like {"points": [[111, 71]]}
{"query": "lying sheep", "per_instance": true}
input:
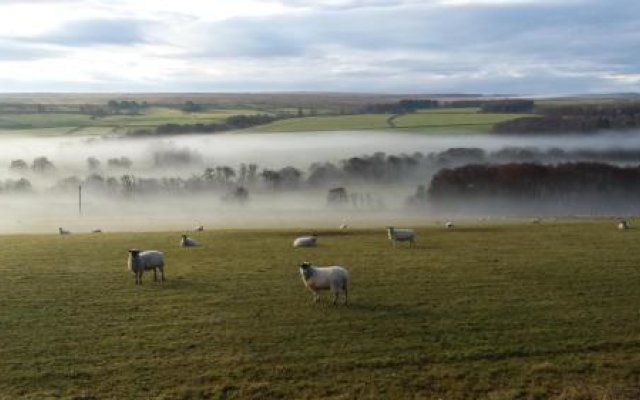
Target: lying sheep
{"points": [[306, 241], [335, 278], [96, 231], [140, 261], [64, 231], [401, 235], [623, 225], [186, 241]]}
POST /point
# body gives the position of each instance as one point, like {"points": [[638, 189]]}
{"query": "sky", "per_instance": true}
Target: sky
{"points": [[532, 47]]}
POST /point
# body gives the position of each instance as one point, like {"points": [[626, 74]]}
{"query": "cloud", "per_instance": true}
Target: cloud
{"points": [[362, 45], [11, 51], [90, 32]]}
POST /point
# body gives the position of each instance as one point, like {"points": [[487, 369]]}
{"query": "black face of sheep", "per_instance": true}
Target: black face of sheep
{"points": [[134, 252], [307, 272]]}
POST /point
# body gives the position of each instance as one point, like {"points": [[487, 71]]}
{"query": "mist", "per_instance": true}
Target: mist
{"points": [[170, 170]]}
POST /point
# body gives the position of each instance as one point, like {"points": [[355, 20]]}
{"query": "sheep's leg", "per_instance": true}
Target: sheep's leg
{"points": [[335, 297], [316, 297], [161, 274], [155, 275], [346, 296]]}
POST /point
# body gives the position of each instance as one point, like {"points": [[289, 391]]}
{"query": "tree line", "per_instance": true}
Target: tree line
{"points": [[230, 123], [576, 118], [585, 186]]}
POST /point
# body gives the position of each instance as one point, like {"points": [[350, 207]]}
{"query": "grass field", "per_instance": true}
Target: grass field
{"points": [[78, 123], [506, 311], [463, 119]]}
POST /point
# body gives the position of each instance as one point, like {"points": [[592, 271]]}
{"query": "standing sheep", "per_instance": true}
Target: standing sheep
{"points": [[401, 235], [335, 278], [198, 228], [140, 261], [305, 241], [449, 225], [186, 241], [64, 231], [623, 225]]}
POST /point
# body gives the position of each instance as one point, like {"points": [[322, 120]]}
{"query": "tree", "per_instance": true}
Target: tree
{"points": [[93, 163], [42, 164]]}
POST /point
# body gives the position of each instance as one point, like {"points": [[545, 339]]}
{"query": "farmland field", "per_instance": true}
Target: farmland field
{"points": [[79, 123], [487, 310], [437, 120]]}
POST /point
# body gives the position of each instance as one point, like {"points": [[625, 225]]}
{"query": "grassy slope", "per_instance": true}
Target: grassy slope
{"points": [[504, 311], [450, 119], [77, 122], [428, 120]]}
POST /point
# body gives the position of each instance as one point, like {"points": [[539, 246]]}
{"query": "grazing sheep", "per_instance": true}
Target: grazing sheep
{"points": [[64, 231], [305, 241], [449, 225], [335, 278], [140, 261], [186, 241], [198, 228], [401, 235], [623, 225]]}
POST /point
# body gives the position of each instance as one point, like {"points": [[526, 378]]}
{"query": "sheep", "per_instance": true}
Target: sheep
{"points": [[96, 231], [401, 235], [343, 226], [334, 278], [623, 225], [449, 225], [140, 261], [198, 228], [536, 220], [186, 241], [305, 241], [64, 231]]}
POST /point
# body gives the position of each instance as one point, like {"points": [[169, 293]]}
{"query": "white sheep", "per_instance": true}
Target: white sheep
{"points": [[186, 241], [449, 225], [343, 226], [334, 278], [401, 235], [96, 231], [140, 261], [623, 225], [198, 228], [64, 231], [305, 241]]}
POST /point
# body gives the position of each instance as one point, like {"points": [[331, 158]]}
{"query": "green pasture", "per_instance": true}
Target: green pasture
{"points": [[77, 123], [483, 311], [327, 123], [452, 119]]}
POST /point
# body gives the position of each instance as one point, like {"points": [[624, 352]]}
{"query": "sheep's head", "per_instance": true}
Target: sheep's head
{"points": [[306, 270], [134, 252], [184, 236]]}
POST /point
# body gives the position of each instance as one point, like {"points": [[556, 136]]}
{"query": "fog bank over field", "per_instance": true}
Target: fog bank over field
{"points": [[280, 149], [257, 180]]}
